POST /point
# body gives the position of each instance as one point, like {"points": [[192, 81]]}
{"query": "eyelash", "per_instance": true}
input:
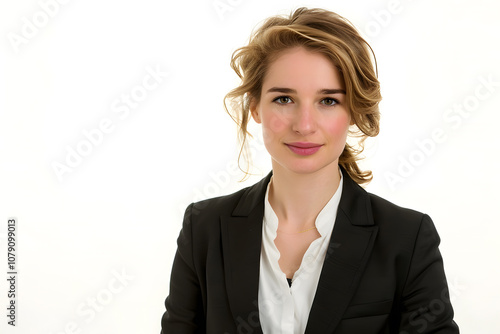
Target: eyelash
{"points": [[287, 97]]}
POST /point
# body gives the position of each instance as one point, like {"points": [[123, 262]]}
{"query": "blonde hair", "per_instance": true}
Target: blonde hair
{"points": [[331, 35]]}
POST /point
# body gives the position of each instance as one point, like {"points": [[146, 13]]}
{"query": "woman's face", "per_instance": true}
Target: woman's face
{"points": [[303, 113]]}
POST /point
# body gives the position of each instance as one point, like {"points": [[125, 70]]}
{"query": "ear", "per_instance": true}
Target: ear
{"points": [[254, 110]]}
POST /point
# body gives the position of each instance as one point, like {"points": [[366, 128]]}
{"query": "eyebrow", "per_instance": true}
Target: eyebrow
{"points": [[293, 91]]}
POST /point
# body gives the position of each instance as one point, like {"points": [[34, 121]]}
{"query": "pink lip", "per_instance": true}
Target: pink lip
{"points": [[303, 148]]}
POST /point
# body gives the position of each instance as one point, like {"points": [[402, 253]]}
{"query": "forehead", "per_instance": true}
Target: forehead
{"points": [[304, 70]]}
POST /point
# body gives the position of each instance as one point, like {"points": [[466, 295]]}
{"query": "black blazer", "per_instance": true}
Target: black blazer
{"points": [[383, 272]]}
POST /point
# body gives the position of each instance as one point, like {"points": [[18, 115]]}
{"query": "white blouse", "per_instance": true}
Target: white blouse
{"points": [[284, 309]]}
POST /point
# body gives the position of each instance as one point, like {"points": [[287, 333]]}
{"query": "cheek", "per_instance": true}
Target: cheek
{"points": [[339, 126], [272, 126]]}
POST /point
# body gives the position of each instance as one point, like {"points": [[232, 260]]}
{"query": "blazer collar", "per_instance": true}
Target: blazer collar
{"points": [[350, 247]]}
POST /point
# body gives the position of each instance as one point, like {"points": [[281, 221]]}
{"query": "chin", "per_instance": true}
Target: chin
{"points": [[304, 167]]}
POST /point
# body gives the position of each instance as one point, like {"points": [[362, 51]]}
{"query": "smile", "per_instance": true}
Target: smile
{"points": [[304, 148]]}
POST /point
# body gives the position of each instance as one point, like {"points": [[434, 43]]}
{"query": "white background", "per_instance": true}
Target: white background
{"points": [[119, 210]]}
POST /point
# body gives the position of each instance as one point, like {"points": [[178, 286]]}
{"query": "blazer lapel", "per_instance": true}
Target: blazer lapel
{"points": [[350, 246], [241, 243]]}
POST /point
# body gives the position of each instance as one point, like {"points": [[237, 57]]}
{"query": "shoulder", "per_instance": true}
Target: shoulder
{"points": [[239, 203], [216, 206], [399, 221], [364, 208], [383, 208]]}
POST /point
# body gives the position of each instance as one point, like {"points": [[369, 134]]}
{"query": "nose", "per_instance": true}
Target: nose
{"points": [[305, 122]]}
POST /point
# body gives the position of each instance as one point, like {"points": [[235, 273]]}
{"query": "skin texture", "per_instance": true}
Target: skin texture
{"points": [[294, 107]]}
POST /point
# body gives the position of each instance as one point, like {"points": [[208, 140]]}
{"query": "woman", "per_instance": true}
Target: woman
{"points": [[306, 249]]}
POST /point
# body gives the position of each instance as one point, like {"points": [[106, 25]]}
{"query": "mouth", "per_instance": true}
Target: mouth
{"points": [[302, 148]]}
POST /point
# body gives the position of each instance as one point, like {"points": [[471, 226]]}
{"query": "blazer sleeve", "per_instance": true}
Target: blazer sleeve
{"points": [[426, 306], [184, 307]]}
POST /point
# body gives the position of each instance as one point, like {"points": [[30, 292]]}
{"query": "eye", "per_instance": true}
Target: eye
{"points": [[329, 101], [282, 100]]}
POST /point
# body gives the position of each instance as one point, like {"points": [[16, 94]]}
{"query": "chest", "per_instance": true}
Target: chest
{"points": [[292, 248]]}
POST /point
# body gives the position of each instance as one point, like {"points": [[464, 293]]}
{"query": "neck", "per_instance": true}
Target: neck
{"points": [[297, 198]]}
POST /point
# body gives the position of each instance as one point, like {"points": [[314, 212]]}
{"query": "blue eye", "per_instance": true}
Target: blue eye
{"points": [[282, 100], [329, 101]]}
